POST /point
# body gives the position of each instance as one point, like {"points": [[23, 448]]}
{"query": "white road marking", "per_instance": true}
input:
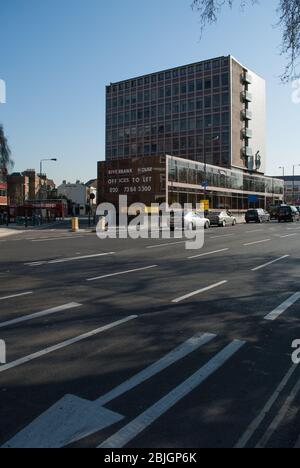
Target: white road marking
{"points": [[16, 295], [71, 259], [26, 318], [280, 417], [64, 344], [243, 441], [208, 253], [72, 418], [125, 435], [218, 237], [253, 230], [122, 273], [164, 245], [283, 307], [257, 242], [175, 355], [289, 235], [57, 238], [270, 263], [195, 293]]}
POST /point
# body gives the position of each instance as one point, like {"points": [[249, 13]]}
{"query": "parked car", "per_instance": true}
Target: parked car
{"points": [[188, 220], [221, 218], [257, 216], [288, 214], [273, 210]]}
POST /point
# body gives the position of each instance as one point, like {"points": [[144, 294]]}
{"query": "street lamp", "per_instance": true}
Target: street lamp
{"points": [[294, 166], [283, 175]]}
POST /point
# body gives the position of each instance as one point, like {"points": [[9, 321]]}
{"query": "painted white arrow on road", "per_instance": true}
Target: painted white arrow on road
{"points": [[72, 418]]}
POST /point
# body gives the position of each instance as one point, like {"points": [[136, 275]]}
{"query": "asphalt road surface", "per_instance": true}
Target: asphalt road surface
{"points": [[141, 343]]}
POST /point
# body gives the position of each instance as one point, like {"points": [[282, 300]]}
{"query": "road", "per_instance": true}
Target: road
{"points": [[156, 346]]}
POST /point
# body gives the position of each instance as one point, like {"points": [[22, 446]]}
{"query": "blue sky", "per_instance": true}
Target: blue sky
{"points": [[58, 55]]}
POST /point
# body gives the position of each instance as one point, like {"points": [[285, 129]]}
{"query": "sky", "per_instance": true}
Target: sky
{"points": [[57, 56]]}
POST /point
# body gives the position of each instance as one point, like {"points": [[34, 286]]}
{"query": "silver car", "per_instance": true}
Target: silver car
{"points": [[221, 218]]}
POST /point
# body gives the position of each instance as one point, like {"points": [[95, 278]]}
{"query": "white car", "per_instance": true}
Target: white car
{"points": [[190, 220]]}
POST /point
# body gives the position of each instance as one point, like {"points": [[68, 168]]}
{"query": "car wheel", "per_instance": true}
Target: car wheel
{"points": [[223, 224], [207, 225], [234, 222]]}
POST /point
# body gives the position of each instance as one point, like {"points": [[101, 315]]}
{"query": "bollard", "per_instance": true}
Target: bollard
{"points": [[75, 225]]}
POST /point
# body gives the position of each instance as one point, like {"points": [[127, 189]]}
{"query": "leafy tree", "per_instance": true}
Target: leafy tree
{"points": [[288, 12], [5, 154]]}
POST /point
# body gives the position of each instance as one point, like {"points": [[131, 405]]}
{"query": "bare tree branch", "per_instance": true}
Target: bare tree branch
{"points": [[289, 20]]}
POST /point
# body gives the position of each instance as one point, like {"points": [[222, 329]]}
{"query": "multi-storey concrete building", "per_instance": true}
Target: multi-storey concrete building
{"points": [[211, 113]]}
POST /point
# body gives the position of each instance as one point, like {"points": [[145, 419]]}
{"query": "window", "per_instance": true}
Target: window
{"points": [[207, 102], [183, 72], [161, 77], [161, 93], [208, 83], [168, 75], [168, 91], [207, 66], [183, 106], [147, 80], [176, 107], [191, 86], [207, 121], [216, 81], [183, 125], [146, 95], [191, 69], [191, 105], [225, 99], [168, 109], [199, 85], [225, 79], [199, 104], [225, 118], [199, 67], [183, 88], [176, 126], [216, 120], [175, 90], [216, 100], [153, 79], [191, 124], [175, 73]]}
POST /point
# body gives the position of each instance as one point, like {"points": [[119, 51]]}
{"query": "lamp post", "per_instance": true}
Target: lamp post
{"points": [[283, 176], [41, 172], [294, 166]]}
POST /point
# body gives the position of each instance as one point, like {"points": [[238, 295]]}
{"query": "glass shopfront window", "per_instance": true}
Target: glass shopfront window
{"points": [[186, 172]]}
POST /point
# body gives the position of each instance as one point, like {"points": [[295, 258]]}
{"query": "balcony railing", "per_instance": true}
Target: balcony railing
{"points": [[247, 78], [247, 133], [246, 96], [247, 115], [247, 152]]}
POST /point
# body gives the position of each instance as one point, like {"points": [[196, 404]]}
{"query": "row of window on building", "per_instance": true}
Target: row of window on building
{"points": [[181, 72], [169, 91]]}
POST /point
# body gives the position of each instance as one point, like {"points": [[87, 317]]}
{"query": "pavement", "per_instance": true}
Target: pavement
{"points": [[141, 343]]}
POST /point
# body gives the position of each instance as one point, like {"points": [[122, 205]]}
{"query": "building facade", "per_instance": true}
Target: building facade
{"points": [[211, 113], [291, 189], [3, 189], [77, 193], [159, 179], [18, 189]]}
